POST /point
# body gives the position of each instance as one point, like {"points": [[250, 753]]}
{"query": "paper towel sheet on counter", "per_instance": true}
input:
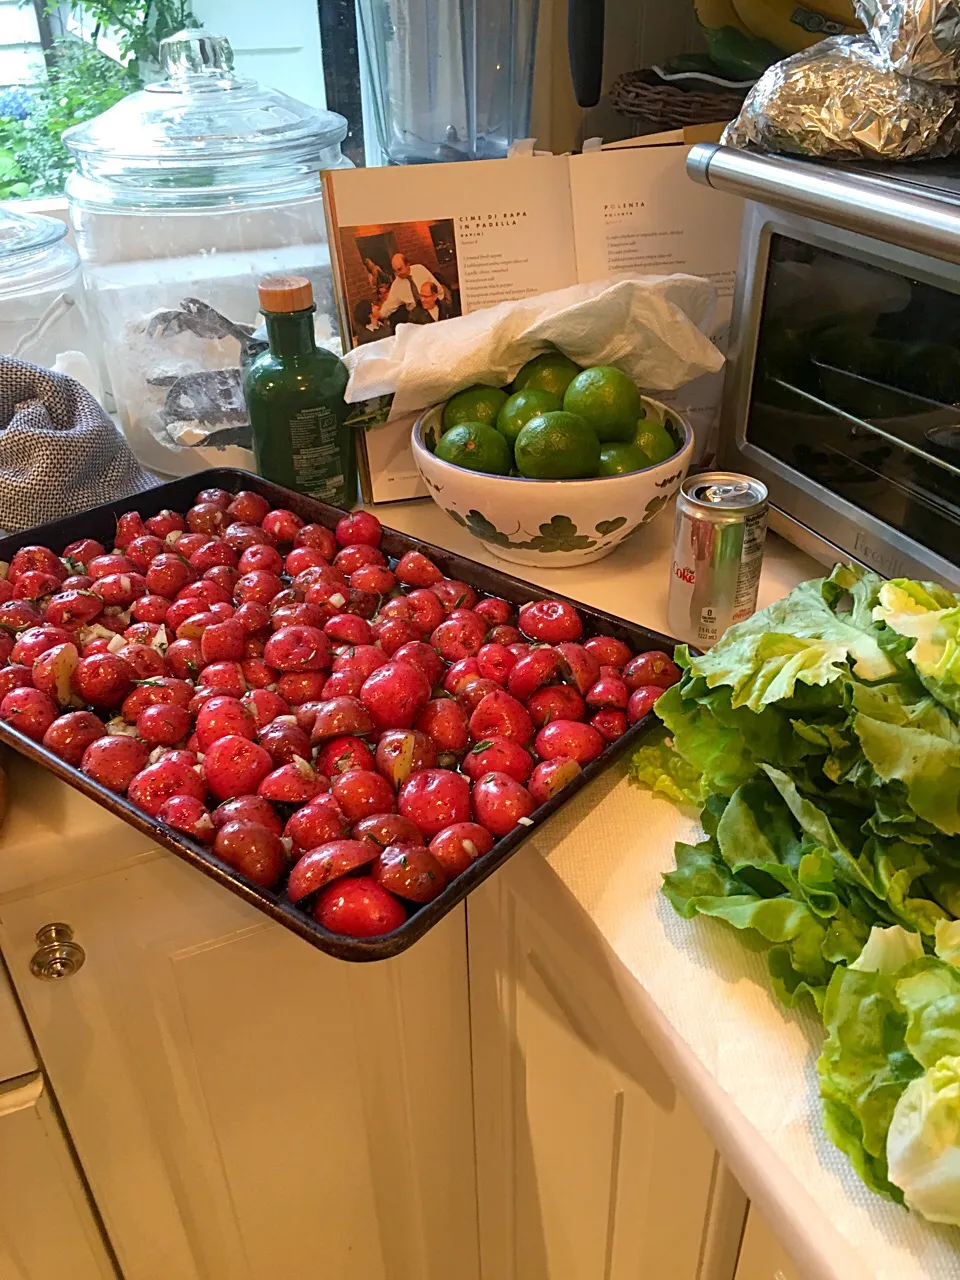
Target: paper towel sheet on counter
{"points": [[609, 846]]}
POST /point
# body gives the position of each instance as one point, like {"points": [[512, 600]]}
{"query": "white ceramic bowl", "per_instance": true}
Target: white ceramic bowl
{"points": [[552, 522]]}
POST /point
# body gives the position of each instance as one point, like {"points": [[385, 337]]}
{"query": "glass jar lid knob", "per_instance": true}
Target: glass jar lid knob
{"points": [[193, 52]]}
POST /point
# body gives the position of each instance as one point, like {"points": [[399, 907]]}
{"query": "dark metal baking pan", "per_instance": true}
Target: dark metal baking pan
{"points": [[100, 523]]}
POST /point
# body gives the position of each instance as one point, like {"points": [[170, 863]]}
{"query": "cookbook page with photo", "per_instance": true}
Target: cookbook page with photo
{"points": [[635, 212], [422, 244]]}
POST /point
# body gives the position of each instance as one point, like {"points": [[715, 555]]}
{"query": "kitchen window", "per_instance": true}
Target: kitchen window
{"points": [[63, 63]]}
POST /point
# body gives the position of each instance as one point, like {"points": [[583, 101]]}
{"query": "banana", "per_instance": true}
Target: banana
{"points": [[791, 26], [716, 14]]}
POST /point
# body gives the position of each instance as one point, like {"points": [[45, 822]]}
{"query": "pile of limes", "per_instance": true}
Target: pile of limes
{"points": [[556, 422]]}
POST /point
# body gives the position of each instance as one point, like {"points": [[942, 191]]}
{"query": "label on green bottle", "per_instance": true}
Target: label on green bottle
{"points": [[317, 464]]}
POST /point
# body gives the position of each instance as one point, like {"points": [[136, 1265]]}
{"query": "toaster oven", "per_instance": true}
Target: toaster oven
{"points": [[842, 389]]}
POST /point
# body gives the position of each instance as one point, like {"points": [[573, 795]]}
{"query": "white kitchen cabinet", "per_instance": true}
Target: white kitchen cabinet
{"points": [[589, 1163], [243, 1106], [47, 1228], [761, 1254]]}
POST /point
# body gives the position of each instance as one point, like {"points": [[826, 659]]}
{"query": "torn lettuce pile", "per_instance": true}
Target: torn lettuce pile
{"points": [[821, 740], [890, 1068]]}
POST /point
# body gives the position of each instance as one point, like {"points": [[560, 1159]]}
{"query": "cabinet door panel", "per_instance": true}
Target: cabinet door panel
{"points": [[215, 1072], [589, 1164], [761, 1255], [45, 1219]]}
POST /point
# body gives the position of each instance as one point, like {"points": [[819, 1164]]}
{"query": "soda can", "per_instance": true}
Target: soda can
{"points": [[717, 555]]}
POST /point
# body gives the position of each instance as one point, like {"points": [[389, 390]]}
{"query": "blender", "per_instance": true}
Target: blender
{"points": [[454, 80]]}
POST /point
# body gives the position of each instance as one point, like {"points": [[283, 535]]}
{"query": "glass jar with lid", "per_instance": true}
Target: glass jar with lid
{"points": [[42, 313], [185, 194]]}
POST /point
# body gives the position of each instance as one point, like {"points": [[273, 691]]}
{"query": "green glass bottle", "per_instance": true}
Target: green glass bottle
{"points": [[294, 394]]}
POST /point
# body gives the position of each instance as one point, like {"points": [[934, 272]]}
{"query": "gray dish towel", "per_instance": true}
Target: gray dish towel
{"points": [[59, 452]]}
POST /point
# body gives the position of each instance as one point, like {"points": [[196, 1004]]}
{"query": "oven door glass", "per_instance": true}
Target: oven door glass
{"points": [[857, 386]]}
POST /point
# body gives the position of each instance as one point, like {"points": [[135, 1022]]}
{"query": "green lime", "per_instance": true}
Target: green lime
{"points": [[620, 459], [607, 399], [552, 371], [475, 404], [476, 446], [521, 407], [655, 441], [557, 446]]}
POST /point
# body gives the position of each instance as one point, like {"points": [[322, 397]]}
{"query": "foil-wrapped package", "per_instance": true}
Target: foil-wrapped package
{"points": [[841, 98], [918, 38]]}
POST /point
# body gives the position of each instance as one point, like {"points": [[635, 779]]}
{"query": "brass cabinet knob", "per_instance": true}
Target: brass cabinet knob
{"points": [[57, 955]]}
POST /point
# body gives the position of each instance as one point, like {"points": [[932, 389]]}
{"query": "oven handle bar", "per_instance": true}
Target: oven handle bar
{"points": [[855, 202]]}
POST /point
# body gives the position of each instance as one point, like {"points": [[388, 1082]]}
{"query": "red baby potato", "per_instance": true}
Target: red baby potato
{"points": [[284, 742], [114, 762], [551, 776], [570, 738], [319, 537], [653, 668], [435, 798], [642, 701], [611, 723], [359, 527], [298, 649], [423, 657], [445, 721], [340, 755], [248, 809], [500, 715], [382, 829], [410, 871], [294, 782], [186, 814], [219, 717], [608, 650], [164, 724], [498, 755], [319, 821], [608, 692], [235, 766], [578, 666], [459, 845], [414, 569], [170, 776], [401, 752], [339, 717], [248, 507], [395, 695], [500, 803], [254, 851], [555, 702], [362, 792], [358, 907], [328, 861], [71, 734], [550, 621]]}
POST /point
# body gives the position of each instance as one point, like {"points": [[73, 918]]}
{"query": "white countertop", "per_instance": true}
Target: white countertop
{"points": [[693, 991], [700, 999]]}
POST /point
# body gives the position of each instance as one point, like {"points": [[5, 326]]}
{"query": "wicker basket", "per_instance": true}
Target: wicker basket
{"points": [[643, 95]]}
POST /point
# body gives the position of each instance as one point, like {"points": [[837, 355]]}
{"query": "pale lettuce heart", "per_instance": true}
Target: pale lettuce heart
{"points": [[923, 1143], [888, 950]]}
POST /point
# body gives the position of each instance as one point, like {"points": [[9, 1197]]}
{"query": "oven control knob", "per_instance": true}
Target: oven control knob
{"points": [[57, 955]]}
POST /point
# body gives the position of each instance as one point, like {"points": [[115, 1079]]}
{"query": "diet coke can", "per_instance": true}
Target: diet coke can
{"points": [[717, 555]]}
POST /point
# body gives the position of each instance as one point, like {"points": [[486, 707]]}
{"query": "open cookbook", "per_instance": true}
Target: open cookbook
{"points": [[423, 244]]}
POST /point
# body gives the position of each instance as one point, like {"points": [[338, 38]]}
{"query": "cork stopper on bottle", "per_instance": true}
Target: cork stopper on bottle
{"points": [[285, 294]]}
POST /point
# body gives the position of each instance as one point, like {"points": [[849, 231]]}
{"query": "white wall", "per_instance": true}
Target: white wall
{"points": [[21, 57], [277, 43]]}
